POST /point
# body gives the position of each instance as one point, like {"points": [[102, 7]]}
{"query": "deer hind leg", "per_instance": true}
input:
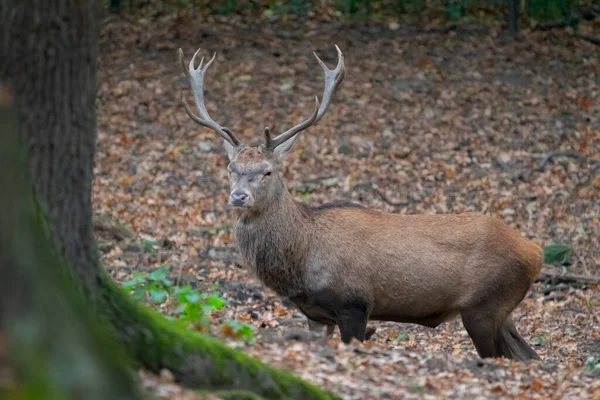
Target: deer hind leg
{"points": [[490, 327], [484, 329], [511, 345], [495, 335]]}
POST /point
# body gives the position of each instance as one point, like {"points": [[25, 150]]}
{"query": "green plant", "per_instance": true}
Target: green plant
{"points": [[546, 9], [557, 254], [306, 195], [416, 388], [540, 340], [159, 284], [156, 285], [408, 6], [239, 330], [280, 8], [191, 306], [592, 364], [149, 245], [355, 7], [226, 7], [137, 285], [455, 10]]}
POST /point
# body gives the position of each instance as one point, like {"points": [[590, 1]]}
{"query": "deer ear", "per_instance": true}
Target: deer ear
{"points": [[231, 151], [284, 148]]}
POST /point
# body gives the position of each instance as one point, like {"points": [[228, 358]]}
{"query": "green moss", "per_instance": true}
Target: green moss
{"points": [[197, 360], [232, 394]]}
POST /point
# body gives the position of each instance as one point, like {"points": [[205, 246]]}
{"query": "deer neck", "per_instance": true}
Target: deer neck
{"points": [[274, 242]]}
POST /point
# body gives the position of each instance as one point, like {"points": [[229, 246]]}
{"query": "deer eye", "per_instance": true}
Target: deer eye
{"points": [[268, 173]]}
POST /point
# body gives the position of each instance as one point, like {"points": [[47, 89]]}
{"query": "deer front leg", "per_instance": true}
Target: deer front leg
{"points": [[317, 328], [352, 320], [370, 332]]}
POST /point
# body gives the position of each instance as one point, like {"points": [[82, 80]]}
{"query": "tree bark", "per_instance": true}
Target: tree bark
{"points": [[513, 17], [48, 51], [40, 309]]}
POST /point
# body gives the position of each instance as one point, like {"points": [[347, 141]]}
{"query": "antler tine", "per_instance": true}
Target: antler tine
{"points": [[196, 79], [208, 123], [268, 137], [333, 78], [284, 137]]}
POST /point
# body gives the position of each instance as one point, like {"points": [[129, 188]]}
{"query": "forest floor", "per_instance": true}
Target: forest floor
{"points": [[424, 122]]}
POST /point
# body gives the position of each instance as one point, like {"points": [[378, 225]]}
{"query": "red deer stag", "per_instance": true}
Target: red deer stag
{"points": [[343, 264]]}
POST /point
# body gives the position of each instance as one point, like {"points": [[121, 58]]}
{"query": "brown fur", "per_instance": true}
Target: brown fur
{"points": [[344, 264], [250, 156]]}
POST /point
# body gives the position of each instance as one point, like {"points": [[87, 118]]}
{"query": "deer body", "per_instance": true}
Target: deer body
{"points": [[421, 269], [343, 264]]}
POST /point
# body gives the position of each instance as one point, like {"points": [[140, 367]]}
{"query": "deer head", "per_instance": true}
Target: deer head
{"points": [[253, 171]]}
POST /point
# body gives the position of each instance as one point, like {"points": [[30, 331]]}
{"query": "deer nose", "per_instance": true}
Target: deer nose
{"points": [[238, 199]]}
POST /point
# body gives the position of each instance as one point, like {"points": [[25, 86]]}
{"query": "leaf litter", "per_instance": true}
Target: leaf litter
{"points": [[423, 123]]}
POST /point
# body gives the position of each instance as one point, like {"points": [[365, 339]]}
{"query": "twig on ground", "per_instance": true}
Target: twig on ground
{"points": [[590, 39], [549, 157], [574, 310], [553, 288], [549, 272], [554, 297], [106, 224], [583, 264], [178, 280], [140, 260], [360, 350], [111, 268]]}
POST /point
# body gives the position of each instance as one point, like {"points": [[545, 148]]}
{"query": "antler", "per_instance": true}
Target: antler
{"points": [[333, 78], [196, 78]]}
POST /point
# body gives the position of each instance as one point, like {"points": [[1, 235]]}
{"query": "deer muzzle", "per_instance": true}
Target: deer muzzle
{"points": [[240, 198]]}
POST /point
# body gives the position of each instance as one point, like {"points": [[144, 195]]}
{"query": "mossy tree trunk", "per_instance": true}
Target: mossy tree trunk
{"points": [[55, 348], [48, 52]]}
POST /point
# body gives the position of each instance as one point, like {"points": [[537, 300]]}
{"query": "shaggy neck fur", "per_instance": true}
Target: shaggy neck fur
{"points": [[274, 240]]}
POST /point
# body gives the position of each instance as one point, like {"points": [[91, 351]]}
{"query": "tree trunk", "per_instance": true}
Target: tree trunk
{"points": [[48, 52], [38, 302], [513, 17], [115, 6]]}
